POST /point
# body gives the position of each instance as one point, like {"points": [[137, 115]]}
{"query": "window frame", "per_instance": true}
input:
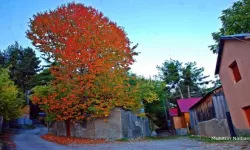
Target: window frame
{"points": [[236, 75]]}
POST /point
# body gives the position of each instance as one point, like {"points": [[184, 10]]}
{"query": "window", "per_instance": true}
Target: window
{"points": [[235, 71], [247, 112]]}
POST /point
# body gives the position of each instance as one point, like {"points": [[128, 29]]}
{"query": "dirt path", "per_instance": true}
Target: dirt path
{"points": [[30, 140]]}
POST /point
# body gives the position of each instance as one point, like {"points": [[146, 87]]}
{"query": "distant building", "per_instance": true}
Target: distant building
{"points": [[233, 67], [184, 105], [180, 116], [174, 118]]}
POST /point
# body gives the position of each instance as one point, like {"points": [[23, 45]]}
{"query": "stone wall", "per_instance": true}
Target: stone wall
{"points": [[59, 128], [213, 127], [120, 124], [112, 129], [83, 129]]}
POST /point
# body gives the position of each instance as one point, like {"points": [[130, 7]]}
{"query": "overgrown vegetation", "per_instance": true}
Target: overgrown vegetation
{"points": [[10, 100], [235, 20]]}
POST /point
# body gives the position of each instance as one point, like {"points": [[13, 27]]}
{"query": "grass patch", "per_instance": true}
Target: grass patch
{"points": [[147, 138], [30, 126], [207, 139], [123, 140], [161, 138]]}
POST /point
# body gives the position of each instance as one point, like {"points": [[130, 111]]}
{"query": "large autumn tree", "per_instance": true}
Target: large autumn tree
{"points": [[92, 56]]}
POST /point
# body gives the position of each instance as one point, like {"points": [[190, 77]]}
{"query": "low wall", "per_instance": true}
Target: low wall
{"points": [[242, 132], [111, 129], [83, 129], [214, 127], [120, 124], [182, 131], [134, 126]]}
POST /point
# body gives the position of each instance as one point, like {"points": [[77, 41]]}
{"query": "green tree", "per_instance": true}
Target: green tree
{"points": [[235, 20], [43, 91], [10, 101], [23, 63], [151, 93], [182, 80], [42, 78]]}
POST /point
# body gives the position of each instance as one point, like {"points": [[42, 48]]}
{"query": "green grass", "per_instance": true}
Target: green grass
{"points": [[206, 139], [30, 126], [147, 138], [161, 138]]}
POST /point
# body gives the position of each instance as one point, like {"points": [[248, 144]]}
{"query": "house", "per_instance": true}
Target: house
{"points": [[209, 116], [180, 116], [175, 120], [233, 67], [184, 105], [121, 124]]}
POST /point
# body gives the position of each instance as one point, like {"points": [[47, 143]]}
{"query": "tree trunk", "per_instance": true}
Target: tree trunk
{"points": [[48, 127], [189, 95], [68, 127], [180, 92], [1, 124]]}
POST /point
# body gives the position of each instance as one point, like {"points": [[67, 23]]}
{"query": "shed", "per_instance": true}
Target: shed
{"points": [[184, 105], [208, 117]]}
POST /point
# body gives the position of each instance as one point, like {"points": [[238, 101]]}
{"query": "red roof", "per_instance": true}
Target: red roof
{"points": [[173, 112], [185, 104]]}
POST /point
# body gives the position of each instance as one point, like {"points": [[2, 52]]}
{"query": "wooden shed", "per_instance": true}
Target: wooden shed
{"points": [[183, 106], [209, 116], [177, 121], [179, 116]]}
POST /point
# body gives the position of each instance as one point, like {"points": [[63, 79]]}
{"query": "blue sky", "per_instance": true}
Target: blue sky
{"points": [[164, 29]]}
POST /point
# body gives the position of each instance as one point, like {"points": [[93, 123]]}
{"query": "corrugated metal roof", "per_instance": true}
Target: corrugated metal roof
{"points": [[173, 112], [221, 45], [185, 104], [203, 98]]}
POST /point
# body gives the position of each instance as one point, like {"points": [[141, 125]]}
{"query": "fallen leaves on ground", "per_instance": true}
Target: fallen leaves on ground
{"points": [[6, 139], [71, 140]]}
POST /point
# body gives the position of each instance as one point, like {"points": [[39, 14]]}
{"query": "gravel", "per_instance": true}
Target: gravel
{"points": [[30, 140]]}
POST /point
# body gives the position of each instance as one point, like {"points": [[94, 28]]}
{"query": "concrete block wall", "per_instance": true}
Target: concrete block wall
{"points": [[83, 131], [112, 129], [120, 124], [214, 127]]}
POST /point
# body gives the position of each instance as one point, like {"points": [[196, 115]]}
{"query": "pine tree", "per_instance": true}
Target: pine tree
{"points": [[23, 65]]}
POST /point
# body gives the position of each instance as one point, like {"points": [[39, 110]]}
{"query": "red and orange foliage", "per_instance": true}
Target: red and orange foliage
{"points": [[71, 140], [93, 56]]}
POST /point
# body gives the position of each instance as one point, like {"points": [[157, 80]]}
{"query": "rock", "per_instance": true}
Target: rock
{"points": [[1, 146], [153, 133]]}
